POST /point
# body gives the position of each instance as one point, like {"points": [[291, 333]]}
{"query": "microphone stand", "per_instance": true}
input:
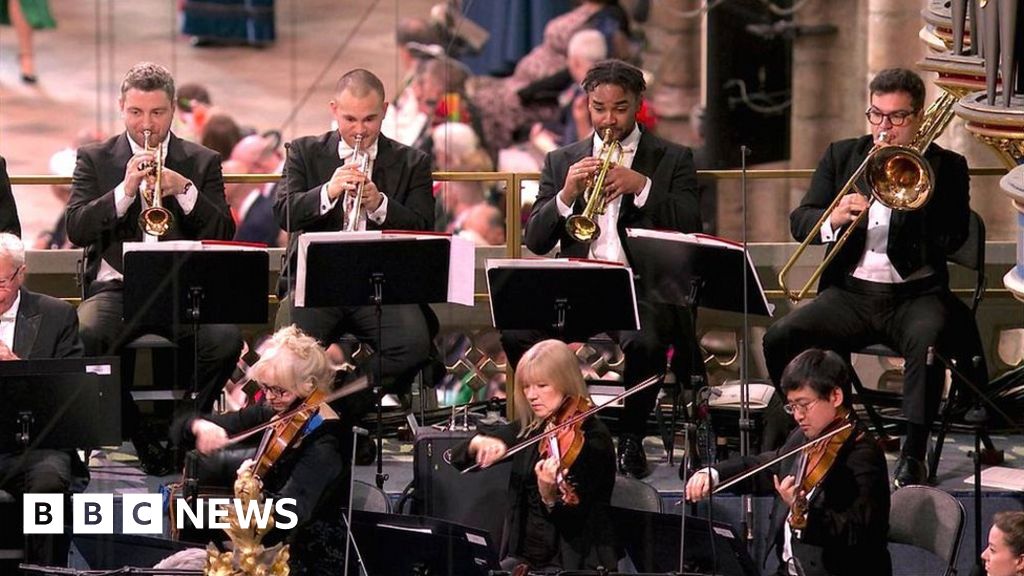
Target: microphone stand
{"points": [[745, 424], [350, 540]]}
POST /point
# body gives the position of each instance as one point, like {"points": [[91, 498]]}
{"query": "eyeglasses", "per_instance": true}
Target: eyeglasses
{"points": [[5, 282], [801, 407], [274, 390], [897, 118]]}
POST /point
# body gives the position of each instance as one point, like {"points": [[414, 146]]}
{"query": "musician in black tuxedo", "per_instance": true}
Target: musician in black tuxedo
{"points": [[8, 209], [845, 490], [107, 196], [889, 284], [319, 193], [36, 326], [654, 186]]}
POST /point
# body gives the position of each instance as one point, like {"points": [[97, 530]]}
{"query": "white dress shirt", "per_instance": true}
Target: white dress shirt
{"points": [[874, 264], [608, 245], [7, 321]]}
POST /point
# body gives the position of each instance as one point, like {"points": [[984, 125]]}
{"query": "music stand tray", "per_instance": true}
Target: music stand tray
{"points": [[375, 267], [674, 268], [223, 283], [66, 403], [569, 296]]}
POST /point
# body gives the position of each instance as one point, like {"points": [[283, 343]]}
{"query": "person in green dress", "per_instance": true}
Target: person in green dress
{"points": [[26, 16]]}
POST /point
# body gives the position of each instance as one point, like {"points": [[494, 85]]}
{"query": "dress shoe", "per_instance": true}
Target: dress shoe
{"points": [[28, 75], [632, 460], [154, 459], [909, 471]]}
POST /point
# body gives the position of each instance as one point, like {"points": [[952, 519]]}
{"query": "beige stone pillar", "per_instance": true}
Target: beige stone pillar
{"points": [[673, 55]]}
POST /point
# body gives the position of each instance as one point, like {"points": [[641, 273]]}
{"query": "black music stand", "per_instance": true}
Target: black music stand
{"points": [[571, 298], [61, 404], [377, 269], [164, 288], [425, 545]]}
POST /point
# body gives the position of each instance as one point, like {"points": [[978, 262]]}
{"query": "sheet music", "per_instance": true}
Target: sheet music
{"points": [[1000, 477], [192, 246]]}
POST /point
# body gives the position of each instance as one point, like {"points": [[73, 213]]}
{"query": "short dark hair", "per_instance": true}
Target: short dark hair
{"points": [[899, 80], [1011, 524], [359, 82], [148, 77], [617, 72], [820, 370]]}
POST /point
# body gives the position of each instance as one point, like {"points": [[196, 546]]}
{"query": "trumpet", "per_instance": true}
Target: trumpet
{"points": [[155, 220], [361, 159], [897, 176], [583, 227]]}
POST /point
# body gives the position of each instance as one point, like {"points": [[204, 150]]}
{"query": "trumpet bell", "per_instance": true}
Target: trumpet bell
{"points": [[155, 220], [900, 178], [582, 228]]}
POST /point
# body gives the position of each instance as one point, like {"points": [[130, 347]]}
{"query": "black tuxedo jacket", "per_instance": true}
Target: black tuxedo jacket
{"points": [[46, 328], [92, 217], [917, 238], [673, 203], [8, 209], [848, 518], [259, 224]]}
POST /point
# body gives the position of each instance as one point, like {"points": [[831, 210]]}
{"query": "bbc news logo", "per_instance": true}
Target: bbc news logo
{"points": [[144, 513]]}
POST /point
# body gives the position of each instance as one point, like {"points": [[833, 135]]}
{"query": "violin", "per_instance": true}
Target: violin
{"points": [[285, 431], [566, 443], [818, 460]]}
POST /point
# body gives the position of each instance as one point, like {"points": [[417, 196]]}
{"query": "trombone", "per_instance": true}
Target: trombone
{"points": [[155, 220], [898, 176], [583, 227], [361, 159]]}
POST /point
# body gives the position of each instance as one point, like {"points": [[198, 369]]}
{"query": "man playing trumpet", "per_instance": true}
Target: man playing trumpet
{"points": [[652, 184], [889, 284]]}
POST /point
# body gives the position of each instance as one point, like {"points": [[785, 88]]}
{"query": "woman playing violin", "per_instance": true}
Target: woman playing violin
{"points": [[557, 515], [831, 515], [313, 468]]}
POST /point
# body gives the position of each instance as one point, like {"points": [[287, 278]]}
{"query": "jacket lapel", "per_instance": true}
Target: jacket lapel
{"points": [[26, 328]]}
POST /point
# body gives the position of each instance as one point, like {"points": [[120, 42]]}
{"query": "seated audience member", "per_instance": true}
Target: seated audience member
{"points": [[8, 209], [545, 527], [220, 134], [62, 163], [484, 224], [836, 524], [254, 209], [1004, 554], [315, 470], [403, 121], [34, 326], [192, 109]]}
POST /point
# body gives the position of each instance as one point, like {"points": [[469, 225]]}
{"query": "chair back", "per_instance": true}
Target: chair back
{"points": [[633, 494], [971, 255], [929, 519], [369, 498]]}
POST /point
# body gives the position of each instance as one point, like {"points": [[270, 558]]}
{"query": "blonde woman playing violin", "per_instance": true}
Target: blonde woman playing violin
{"points": [[557, 514], [313, 467], [831, 514]]}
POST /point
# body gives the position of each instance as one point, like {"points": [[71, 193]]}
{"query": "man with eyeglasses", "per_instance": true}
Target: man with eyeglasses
{"points": [[36, 326], [843, 500], [889, 284]]}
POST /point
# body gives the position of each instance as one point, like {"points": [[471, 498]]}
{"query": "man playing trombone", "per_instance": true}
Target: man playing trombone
{"points": [[649, 183], [890, 284]]}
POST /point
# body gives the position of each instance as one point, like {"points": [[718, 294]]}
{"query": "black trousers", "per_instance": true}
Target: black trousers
{"points": [[848, 318], [39, 472], [661, 325], [105, 332], [404, 335]]}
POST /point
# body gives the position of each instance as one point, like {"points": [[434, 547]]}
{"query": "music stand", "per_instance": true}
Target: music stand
{"points": [[571, 297], [652, 541], [377, 268], [427, 545], [60, 404], [191, 282]]}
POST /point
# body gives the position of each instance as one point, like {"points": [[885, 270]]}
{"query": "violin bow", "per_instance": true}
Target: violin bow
{"points": [[570, 422], [357, 385], [744, 475]]}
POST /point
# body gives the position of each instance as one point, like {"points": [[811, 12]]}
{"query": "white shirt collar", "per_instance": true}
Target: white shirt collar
{"points": [[12, 313], [136, 149], [629, 143], [344, 150]]}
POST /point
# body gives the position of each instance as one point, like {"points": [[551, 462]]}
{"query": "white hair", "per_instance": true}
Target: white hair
{"points": [[588, 44], [12, 247], [456, 138]]}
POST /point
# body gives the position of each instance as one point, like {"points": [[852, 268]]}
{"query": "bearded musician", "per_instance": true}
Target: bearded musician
{"points": [[558, 511], [315, 468], [831, 514]]}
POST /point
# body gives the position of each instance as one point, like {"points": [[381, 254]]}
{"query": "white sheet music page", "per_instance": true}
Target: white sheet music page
{"points": [[1000, 477]]}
